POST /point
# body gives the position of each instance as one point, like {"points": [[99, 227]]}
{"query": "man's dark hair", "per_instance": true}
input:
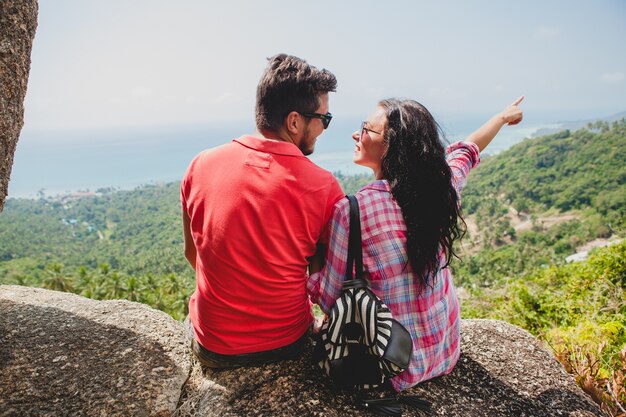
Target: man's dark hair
{"points": [[289, 84]]}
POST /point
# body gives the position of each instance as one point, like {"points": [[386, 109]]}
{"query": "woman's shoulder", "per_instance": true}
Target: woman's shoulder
{"points": [[377, 204], [372, 198], [375, 189]]}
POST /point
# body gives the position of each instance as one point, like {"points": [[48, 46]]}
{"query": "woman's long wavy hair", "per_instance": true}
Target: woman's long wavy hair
{"points": [[421, 183]]}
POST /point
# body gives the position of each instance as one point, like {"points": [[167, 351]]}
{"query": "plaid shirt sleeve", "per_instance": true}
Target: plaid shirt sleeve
{"points": [[462, 157], [325, 286]]}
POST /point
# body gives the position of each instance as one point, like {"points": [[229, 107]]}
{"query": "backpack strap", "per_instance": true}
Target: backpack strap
{"points": [[355, 251]]}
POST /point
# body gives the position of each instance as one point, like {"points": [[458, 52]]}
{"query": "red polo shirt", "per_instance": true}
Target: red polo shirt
{"points": [[257, 208]]}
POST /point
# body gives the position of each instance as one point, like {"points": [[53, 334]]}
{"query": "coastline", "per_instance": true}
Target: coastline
{"points": [[145, 158]]}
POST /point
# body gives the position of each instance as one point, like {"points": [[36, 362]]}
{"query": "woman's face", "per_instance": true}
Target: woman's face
{"points": [[370, 147]]}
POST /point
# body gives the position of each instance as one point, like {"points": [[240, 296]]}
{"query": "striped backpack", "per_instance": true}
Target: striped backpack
{"points": [[360, 344]]}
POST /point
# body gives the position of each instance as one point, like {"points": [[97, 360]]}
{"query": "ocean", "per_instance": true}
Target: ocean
{"points": [[62, 162]]}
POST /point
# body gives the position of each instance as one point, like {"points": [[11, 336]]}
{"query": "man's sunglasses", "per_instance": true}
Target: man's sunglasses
{"points": [[326, 118]]}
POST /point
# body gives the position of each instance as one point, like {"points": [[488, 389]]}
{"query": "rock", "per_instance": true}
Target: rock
{"points": [[61, 354], [503, 371], [65, 355], [18, 22]]}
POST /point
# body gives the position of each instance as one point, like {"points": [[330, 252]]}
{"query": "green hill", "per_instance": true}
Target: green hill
{"points": [[529, 208], [562, 190], [128, 240]]}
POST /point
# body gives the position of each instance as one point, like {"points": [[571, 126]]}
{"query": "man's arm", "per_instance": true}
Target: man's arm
{"points": [[316, 262], [512, 115], [190, 247]]}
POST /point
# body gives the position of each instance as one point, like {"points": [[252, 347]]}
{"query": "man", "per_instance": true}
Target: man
{"points": [[254, 213]]}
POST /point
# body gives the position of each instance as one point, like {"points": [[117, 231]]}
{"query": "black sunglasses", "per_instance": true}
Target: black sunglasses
{"points": [[325, 118], [364, 129]]}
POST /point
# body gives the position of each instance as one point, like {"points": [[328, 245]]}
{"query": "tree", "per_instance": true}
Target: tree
{"points": [[56, 278], [521, 204], [18, 22]]}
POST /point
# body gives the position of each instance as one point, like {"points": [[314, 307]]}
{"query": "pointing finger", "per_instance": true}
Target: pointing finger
{"points": [[518, 101]]}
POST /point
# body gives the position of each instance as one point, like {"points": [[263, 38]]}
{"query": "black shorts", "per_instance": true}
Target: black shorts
{"points": [[217, 360]]}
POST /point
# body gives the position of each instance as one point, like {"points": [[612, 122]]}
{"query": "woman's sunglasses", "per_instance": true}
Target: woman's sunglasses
{"points": [[364, 129]]}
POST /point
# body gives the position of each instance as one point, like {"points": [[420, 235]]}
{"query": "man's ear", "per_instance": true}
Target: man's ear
{"points": [[293, 122]]}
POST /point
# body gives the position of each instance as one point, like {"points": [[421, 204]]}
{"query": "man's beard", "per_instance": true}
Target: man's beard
{"points": [[310, 145]]}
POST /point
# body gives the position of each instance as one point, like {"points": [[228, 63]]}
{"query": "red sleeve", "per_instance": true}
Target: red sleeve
{"points": [[335, 194], [184, 190], [185, 184]]}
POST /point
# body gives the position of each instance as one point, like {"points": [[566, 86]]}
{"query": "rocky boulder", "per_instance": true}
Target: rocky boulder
{"points": [[61, 354], [66, 355], [503, 371], [18, 22]]}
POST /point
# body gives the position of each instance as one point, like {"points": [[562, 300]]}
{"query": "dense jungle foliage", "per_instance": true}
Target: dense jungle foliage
{"points": [[527, 209], [532, 206]]}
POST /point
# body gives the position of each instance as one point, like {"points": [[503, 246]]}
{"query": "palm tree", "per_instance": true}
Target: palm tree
{"points": [[150, 283], [56, 279], [20, 280], [132, 289], [114, 288], [172, 284]]}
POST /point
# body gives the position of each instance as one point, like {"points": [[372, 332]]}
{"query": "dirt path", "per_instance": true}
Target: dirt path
{"points": [[521, 222]]}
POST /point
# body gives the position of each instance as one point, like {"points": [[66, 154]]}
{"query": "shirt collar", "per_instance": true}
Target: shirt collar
{"points": [[378, 185], [269, 145]]}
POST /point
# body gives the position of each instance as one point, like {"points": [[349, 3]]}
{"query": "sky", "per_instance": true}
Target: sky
{"points": [[150, 63]]}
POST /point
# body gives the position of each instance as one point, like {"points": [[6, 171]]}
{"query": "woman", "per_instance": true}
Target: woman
{"points": [[410, 218]]}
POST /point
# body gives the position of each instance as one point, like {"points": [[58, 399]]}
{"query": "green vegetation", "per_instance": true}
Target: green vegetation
{"points": [[532, 206], [578, 308], [123, 244], [350, 184], [529, 208], [576, 177]]}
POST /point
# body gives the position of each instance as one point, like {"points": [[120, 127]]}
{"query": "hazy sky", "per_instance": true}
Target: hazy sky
{"points": [[114, 63]]}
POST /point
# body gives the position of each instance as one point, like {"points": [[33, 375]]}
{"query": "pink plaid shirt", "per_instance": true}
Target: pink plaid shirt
{"points": [[431, 314]]}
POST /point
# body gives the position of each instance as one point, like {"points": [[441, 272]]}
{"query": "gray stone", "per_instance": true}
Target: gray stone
{"points": [[503, 371], [61, 354], [65, 355], [18, 22]]}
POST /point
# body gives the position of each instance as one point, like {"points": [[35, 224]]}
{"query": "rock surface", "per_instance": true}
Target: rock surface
{"points": [[18, 22], [503, 371], [65, 355], [61, 354]]}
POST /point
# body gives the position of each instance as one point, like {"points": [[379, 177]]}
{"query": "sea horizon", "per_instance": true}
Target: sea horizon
{"points": [[65, 162]]}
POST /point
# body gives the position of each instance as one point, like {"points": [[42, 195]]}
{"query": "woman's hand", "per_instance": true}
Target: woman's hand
{"points": [[317, 324], [512, 115]]}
